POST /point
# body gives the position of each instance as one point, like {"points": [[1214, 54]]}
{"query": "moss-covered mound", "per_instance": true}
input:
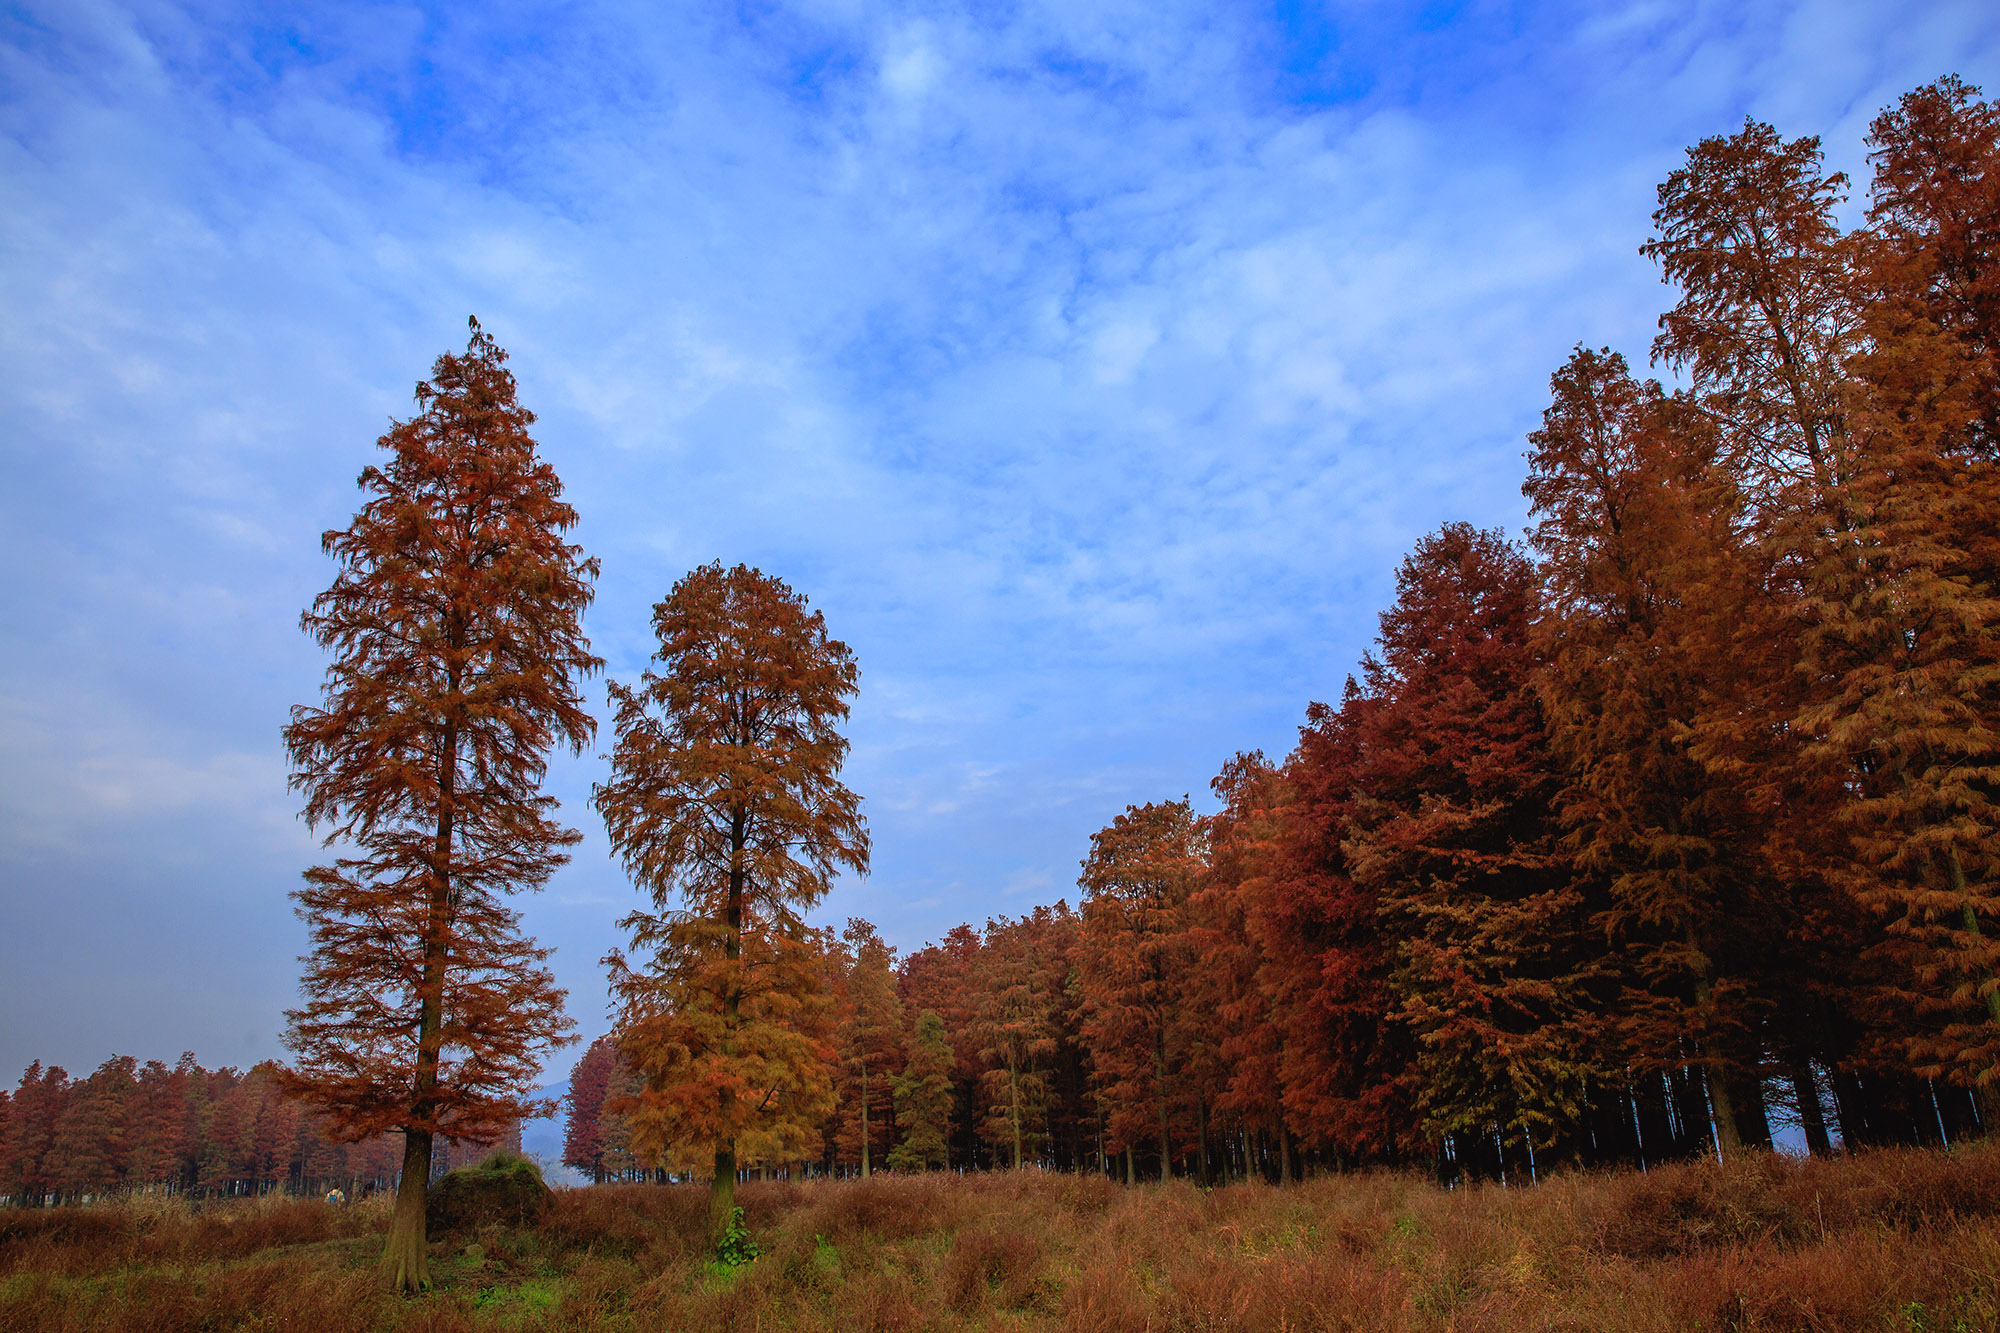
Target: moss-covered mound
{"points": [[503, 1189]]}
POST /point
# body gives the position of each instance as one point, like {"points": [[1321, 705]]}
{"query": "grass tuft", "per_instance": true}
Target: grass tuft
{"points": [[1905, 1241]]}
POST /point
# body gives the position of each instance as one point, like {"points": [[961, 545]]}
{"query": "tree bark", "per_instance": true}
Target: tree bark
{"points": [[1753, 1121], [406, 1256], [1014, 1111], [1987, 1098], [722, 1196], [1852, 1108], [1812, 1116], [1201, 1127], [1727, 1142], [405, 1260], [722, 1189]]}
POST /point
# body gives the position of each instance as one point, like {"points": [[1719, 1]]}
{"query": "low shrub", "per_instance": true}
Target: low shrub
{"points": [[504, 1190]]}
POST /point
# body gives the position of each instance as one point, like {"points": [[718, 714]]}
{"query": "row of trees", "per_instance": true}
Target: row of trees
{"points": [[1601, 843], [178, 1129], [1673, 827], [458, 661], [597, 1138]]}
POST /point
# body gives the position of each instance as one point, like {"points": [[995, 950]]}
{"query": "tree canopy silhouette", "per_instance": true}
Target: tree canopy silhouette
{"points": [[726, 807], [458, 658]]}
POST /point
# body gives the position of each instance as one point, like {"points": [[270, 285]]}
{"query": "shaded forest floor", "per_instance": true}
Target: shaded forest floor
{"points": [[1900, 1240]]}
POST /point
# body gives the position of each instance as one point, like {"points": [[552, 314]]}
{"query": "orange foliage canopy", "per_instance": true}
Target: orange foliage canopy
{"points": [[1143, 1018], [458, 658], [725, 796], [1902, 603], [458, 661]]}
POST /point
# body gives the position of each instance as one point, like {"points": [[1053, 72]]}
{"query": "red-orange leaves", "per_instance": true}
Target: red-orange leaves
{"points": [[1453, 831], [1144, 1018], [458, 660], [725, 805]]}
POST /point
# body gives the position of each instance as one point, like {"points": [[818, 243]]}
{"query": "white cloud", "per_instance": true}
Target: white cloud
{"points": [[1090, 365], [910, 66]]}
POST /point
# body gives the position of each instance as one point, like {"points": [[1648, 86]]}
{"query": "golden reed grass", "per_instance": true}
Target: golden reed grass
{"points": [[1895, 1240]]}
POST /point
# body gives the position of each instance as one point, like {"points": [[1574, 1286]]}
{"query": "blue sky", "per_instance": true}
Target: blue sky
{"points": [[1090, 366]]}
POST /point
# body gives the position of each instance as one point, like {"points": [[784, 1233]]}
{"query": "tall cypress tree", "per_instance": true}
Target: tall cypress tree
{"points": [[924, 1099], [726, 807], [458, 658], [870, 1042], [1455, 832], [589, 1085], [1138, 967], [1653, 639]]}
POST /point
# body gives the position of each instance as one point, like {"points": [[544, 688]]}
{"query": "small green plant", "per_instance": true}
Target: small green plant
{"points": [[738, 1245], [826, 1257]]}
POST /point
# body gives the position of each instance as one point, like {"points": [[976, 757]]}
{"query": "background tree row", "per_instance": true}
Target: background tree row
{"points": [[1665, 832], [181, 1129]]}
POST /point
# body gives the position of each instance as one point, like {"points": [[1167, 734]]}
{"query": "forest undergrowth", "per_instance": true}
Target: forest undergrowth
{"points": [[1895, 1239]]}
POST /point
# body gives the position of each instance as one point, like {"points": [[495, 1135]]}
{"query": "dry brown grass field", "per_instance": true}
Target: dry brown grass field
{"points": [[1899, 1240]]}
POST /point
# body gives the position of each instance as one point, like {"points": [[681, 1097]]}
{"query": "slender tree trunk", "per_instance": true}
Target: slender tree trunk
{"points": [[1160, 1083], [722, 1189], [1753, 1120], [1014, 1108], [1852, 1109], [1284, 1155], [864, 1116], [405, 1260], [1727, 1142], [1812, 1116], [1131, 1167], [1955, 1112], [1986, 1100], [722, 1196], [1201, 1128]]}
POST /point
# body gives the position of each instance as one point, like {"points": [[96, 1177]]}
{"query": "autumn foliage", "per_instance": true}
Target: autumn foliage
{"points": [[1661, 836], [183, 1130], [1665, 833], [725, 805], [458, 656]]}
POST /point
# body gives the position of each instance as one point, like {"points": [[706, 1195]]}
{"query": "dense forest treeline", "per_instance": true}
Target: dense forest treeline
{"points": [[179, 1129], [1665, 831], [1669, 829]]}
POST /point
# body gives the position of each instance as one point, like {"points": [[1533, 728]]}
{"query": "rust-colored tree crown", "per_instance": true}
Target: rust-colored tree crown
{"points": [[458, 659], [726, 806]]}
